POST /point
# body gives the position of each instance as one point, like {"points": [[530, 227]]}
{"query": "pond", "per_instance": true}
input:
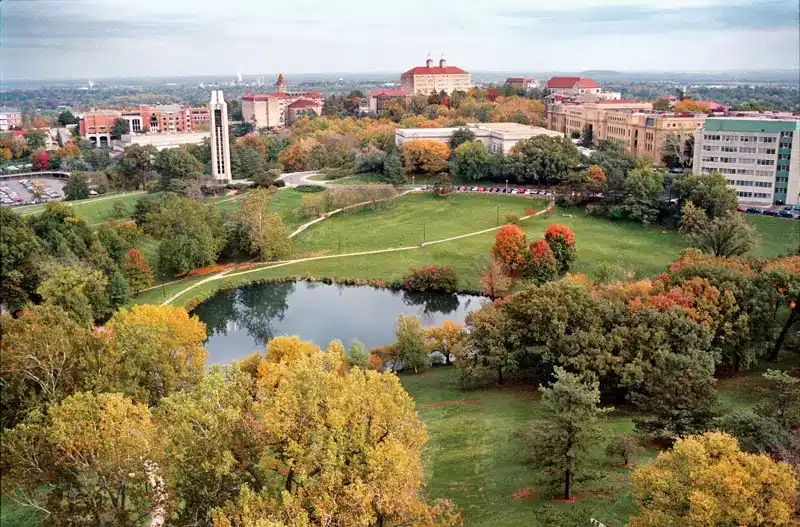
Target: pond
{"points": [[242, 320]]}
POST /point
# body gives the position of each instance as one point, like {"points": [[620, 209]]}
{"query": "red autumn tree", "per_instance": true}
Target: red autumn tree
{"points": [[40, 160], [510, 248], [137, 270], [542, 265], [494, 281], [561, 240]]}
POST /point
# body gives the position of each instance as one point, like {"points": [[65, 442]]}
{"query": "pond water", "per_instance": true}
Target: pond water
{"points": [[242, 320]]}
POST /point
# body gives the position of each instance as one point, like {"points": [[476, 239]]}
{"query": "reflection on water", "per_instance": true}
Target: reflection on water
{"points": [[242, 320]]}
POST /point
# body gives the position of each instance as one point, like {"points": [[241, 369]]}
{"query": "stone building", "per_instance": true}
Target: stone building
{"points": [[271, 110], [423, 80]]}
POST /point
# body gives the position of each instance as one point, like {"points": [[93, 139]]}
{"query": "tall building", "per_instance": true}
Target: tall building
{"points": [[220, 143], [641, 130], [759, 157], [9, 118], [423, 80], [271, 110]]}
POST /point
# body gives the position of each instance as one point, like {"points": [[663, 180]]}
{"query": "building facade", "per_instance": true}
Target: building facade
{"points": [[634, 124], [759, 157], [9, 118], [498, 137], [96, 126], [380, 96], [302, 107], [220, 141], [270, 110], [522, 83], [423, 80], [573, 85]]}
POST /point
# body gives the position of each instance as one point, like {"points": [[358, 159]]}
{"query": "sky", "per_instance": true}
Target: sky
{"points": [[90, 39]]}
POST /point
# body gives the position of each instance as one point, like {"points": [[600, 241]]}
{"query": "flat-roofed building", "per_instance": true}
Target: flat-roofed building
{"points": [[10, 118], [96, 126], [498, 137], [758, 155], [161, 141], [270, 110], [424, 80], [522, 83]]}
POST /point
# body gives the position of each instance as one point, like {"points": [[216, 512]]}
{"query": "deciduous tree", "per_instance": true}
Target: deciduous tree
{"points": [[561, 240], [79, 290], [449, 339], [707, 480], [784, 274], [510, 248], [137, 270], [425, 157], [20, 252], [265, 230], [410, 349], [543, 160]]}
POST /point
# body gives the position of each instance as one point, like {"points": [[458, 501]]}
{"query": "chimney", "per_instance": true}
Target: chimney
{"points": [[442, 62], [429, 63]]}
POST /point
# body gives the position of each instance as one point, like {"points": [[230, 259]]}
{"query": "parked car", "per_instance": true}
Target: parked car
{"points": [[785, 214], [752, 210], [769, 212]]}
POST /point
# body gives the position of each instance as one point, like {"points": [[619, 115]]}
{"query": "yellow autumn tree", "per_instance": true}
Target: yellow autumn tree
{"points": [[425, 157], [295, 156], [706, 480], [448, 339], [155, 351]]}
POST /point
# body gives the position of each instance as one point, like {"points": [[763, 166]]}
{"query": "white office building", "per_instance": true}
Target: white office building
{"points": [[759, 157]]}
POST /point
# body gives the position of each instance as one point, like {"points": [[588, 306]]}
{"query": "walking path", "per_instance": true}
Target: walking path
{"points": [[272, 265]]}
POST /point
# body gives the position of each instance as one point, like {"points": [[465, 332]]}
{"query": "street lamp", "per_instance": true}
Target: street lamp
{"points": [[506, 184], [414, 181]]}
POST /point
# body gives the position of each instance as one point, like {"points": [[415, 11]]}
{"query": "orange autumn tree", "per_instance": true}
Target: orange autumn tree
{"points": [[137, 270], [448, 339], [510, 248], [542, 265], [425, 157], [295, 156], [690, 106]]}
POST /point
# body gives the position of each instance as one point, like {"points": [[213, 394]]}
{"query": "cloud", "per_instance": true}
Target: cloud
{"points": [[641, 19]]}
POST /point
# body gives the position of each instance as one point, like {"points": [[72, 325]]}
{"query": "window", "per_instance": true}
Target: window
{"points": [[767, 139], [787, 134], [747, 161], [747, 149], [766, 150], [767, 162]]}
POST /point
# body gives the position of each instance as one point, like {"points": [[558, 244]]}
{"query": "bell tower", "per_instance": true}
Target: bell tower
{"points": [[280, 86]]}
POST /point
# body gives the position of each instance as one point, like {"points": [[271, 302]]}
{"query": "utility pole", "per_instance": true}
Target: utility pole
{"points": [[423, 232], [340, 244], [498, 216]]}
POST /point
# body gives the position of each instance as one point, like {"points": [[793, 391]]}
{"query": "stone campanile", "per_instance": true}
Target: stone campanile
{"points": [[220, 143]]}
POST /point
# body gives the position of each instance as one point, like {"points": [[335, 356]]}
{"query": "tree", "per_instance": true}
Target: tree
{"points": [[35, 139], [65, 118], [783, 400], [20, 252], [624, 446], [707, 480], [136, 165], [265, 230], [784, 274], [358, 355], [559, 441], [410, 349], [95, 454], [644, 195], [77, 187], [61, 233], [137, 270], [494, 281], [686, 105], [561, 240], [543, 160], [144, 210], [155, 351], [194, 232], [724, 236], [471, 161], [615, 160], [448, 339], [425, 157], [461, 136], [587, 137], [246, 162], [393, 169], [541, 265], [677, 152], [120, 128], [710, 192], [510, 248], [177, 163], [756, 433], [489, 350], [40, 160], [79, 290]]}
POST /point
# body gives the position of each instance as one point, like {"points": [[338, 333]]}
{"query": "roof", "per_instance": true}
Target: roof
{"points": [[264, 96], [304, 103], [388, 92], [619, 101], [435, 70], [519, 80], [569, 82], [280, 78]]}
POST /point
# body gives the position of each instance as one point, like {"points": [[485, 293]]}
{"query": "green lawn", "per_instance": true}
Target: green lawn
{"points": [[410, 220], [94, 210], [778, 235]]}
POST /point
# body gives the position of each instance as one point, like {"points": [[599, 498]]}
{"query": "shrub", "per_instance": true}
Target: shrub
{"points": [[624, 446], [309, 188], [358, 355], [530, 212], [512, 219], [431, 278], [279, 183]]}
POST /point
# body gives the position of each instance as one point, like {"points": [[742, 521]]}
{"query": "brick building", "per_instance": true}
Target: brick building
{"points": [[423, 80]]}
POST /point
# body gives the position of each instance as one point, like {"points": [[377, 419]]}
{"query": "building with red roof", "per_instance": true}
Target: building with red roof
{"points": [[271, 110], [573, 85], [522, 83], [424, 80], [302, 107], [380, 96]]}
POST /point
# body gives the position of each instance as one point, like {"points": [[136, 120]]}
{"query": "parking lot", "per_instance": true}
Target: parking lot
{"points": [[501, 190], [26, 191]]}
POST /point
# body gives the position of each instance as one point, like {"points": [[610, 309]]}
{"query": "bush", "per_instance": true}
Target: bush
{"points": [[512, 218], [561, 240], [309, 188], [279, 183], [756, 433], [431, 278], [541, 265]]}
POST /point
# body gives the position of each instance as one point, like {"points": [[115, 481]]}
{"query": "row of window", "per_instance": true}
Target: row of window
{"points": [[760, 195], [784, 156], [740, 149], [781, 179], [738, 138], [787, 134], [739, 160]]}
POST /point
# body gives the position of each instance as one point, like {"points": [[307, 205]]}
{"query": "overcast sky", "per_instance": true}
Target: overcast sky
{"points": [[47, 39]]}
